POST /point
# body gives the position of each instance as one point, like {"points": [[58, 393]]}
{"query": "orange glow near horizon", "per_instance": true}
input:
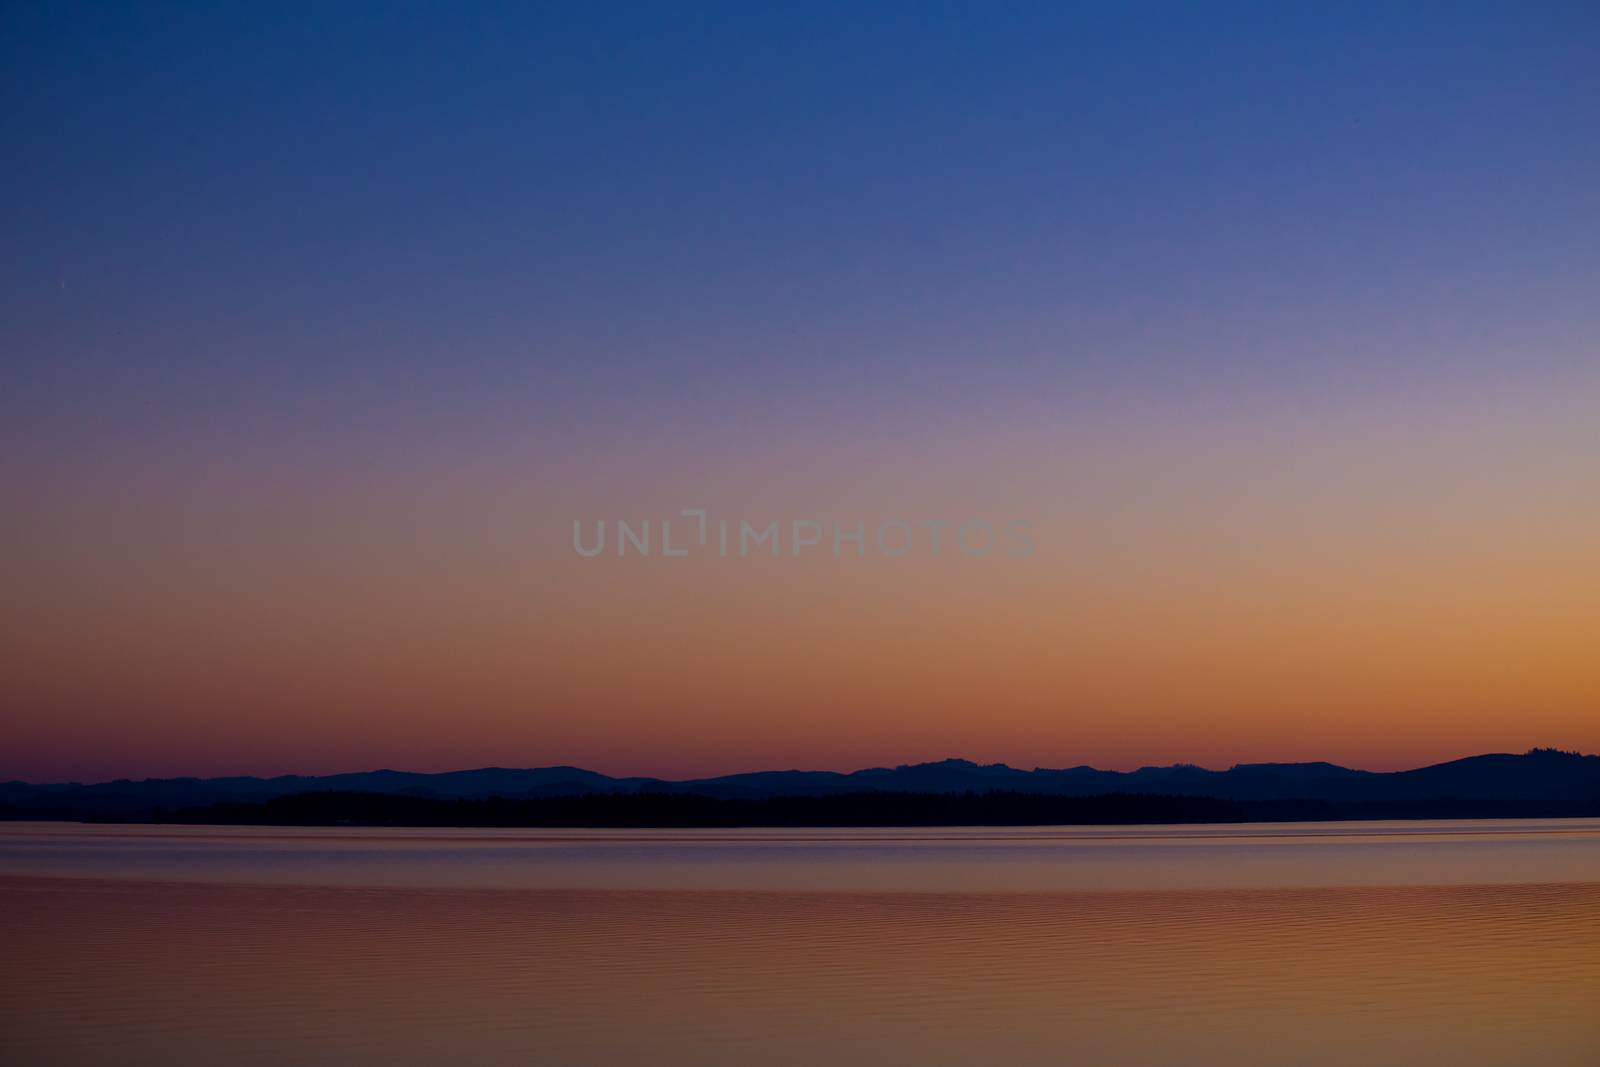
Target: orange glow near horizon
{"points": [[1377, 588]]}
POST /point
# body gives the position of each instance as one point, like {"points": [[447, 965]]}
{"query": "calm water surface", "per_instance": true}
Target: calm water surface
{"points": [[1404, 943]]}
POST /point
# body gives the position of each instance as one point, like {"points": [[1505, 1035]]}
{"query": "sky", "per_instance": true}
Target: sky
{"points": [[322, 325]]}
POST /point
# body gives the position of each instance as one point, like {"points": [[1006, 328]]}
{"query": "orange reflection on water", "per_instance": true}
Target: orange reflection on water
{"points": [[148, 972]]}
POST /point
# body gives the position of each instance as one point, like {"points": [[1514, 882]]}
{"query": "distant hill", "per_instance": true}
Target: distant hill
{"points": [[1542, 782]]}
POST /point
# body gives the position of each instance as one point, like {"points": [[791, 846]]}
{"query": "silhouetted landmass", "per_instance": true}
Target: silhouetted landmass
{"points": [[1543, 783], [653, 809]]}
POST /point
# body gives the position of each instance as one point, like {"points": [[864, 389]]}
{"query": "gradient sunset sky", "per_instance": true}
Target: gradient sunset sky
{"points": [[321, 325]]}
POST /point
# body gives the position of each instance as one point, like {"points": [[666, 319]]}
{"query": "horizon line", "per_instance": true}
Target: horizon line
{"points": [[818, 770]]}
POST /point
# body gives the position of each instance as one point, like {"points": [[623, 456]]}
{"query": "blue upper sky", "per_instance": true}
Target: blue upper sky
{"points": [[232, 207]]}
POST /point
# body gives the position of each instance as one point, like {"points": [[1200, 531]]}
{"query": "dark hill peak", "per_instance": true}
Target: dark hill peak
{"points": [[1314, 767]]}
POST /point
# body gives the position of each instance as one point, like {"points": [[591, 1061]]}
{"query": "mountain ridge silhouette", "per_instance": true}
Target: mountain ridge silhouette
{"points": [[1538, 781]]}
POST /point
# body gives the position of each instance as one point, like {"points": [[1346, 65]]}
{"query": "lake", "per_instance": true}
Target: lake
{"points": [[1330, 943]]}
